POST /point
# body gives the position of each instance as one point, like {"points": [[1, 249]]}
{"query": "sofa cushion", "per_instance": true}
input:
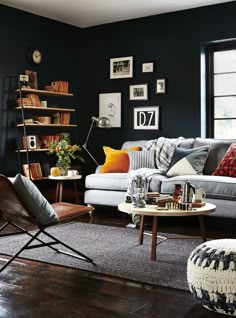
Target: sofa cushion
{"points": [[180, 153], [118, 182], [116, 160], [217, 187], [191, 164], [217, 151], [227, 166], [107, 181], [141, 159]]}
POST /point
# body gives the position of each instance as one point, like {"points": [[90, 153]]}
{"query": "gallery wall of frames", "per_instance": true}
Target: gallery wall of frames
{"points": [[145, 74]]}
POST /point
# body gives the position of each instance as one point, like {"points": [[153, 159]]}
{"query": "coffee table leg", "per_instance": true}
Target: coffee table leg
{"points": [[202, 227], [76, 192], [154, 238], [141, 230], [60, 191]]}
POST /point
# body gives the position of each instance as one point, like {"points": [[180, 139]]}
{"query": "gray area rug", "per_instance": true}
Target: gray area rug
{"points": [[116, 252]]}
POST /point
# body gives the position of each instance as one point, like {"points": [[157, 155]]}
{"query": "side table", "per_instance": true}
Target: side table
{"points": [[59, 189]]}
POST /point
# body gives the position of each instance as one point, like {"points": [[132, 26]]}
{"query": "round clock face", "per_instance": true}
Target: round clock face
{"points": [[34, 56], [37, 56]]}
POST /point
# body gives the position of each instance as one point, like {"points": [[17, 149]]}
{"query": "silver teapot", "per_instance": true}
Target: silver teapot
{"points": [[188, 191]]}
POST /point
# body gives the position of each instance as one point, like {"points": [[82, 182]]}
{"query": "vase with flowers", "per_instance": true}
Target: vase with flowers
{"points": [[64, 152]]}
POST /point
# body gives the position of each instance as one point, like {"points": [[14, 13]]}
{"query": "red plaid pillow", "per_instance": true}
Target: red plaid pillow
{"points": [[227, 166]]}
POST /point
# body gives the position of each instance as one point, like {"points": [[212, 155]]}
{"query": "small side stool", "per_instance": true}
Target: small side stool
{"points": [[59, 189], [211, 275]]}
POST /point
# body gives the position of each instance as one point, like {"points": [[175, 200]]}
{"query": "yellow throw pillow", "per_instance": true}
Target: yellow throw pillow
{"points": [[116, 160]]}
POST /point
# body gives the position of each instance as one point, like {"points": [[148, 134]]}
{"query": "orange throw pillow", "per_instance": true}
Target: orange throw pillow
{"points": [[116, 160]]}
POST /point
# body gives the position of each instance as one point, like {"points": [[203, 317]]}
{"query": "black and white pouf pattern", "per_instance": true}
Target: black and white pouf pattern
{"points": [[211, 275]]}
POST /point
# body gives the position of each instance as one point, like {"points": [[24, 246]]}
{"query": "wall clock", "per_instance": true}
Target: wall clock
{"points": [[34, 56]]}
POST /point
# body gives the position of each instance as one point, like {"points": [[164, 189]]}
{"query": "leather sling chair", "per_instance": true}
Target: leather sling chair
{"points": [[15, 212]]}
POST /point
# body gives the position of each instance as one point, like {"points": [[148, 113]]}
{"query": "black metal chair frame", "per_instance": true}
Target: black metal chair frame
{"points": [[34, 235]]}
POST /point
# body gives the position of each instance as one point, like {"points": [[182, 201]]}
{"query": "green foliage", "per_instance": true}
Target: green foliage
{"points": [[65, 152]]}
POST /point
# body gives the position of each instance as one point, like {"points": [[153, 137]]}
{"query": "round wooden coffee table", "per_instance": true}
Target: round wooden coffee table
{"points": [[155, 212]]}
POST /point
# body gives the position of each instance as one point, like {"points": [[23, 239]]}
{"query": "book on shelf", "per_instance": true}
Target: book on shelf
{"points": [[33, 170], [65, 118]]}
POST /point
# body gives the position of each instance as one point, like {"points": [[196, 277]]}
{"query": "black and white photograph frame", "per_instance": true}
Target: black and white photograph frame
{"points": [[121, 67], [138, 92], [146, 118], [161, 86], [110, 107], [147, 67]]}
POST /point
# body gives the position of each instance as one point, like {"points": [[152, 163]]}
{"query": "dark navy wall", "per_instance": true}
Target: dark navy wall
{"points": [[81, 56], [172, 41], [60, 45]]}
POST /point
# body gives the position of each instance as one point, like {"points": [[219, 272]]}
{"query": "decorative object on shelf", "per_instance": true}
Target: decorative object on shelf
{"points": [[31, 142], [43, 120], [47, 140], [161, 86], [64, 152], [34, 99], [65, 136], [34, 56], [146, 117], [24, 80], [32, 171], [33, 80], [49, 88], [121, 67], [60, 86], [101, 122], [147, 67], [110, 107], [56, 118], [44, 103], [138, 92]]}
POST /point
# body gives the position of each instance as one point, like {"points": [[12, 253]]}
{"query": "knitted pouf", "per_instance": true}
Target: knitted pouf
{"points": [[211, 275]]}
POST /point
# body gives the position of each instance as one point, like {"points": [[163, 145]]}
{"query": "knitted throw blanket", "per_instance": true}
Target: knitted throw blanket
{"points": [[164, 148]]}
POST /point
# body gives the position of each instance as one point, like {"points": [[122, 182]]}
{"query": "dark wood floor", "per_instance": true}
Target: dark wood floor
{"points": [[33, 289]]}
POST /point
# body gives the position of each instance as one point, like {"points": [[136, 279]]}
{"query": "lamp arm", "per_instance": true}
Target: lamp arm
{"points": [[89, 132], [85, 148], [86, 141]]}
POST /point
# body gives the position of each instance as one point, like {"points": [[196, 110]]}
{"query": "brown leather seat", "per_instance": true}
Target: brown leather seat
{"points": [[15, 213]]}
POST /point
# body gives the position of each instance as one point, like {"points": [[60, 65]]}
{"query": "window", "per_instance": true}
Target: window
{"points": [[221, 90]]}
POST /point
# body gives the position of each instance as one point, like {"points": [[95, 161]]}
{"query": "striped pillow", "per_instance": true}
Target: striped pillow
{"points": [[141, 159]]}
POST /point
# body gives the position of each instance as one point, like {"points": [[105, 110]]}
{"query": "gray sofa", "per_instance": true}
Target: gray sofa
{"points": [[109, 189]]}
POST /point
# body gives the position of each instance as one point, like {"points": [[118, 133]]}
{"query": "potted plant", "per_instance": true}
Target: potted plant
{"points": [[64, 152]]}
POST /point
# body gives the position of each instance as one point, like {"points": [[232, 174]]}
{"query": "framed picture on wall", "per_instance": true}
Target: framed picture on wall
{"points": [[121, 67], [147, 67], [146, 117], [161, 86], [138, 92], [110, 107]]}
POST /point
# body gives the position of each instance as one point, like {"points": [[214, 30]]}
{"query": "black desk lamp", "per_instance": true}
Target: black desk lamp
{"points": [[102, 122]]}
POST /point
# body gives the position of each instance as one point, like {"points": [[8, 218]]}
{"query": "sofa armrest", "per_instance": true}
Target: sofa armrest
{"points": [[98, 168]]}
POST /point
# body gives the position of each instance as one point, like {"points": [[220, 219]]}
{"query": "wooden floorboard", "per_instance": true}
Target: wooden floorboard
{"points": [[33, 289]]}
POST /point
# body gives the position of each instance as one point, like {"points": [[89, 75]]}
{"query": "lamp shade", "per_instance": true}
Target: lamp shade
{"points": [[102, 122]]}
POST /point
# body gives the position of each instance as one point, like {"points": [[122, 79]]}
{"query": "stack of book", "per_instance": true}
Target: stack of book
{"points": [[65, 118], [33, 170]]}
